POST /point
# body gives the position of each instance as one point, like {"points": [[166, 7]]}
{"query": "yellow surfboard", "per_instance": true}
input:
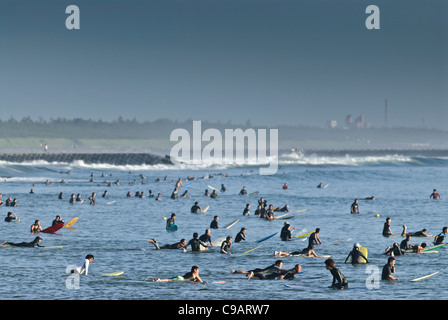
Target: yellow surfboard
{"points": [[363, 250], [113, 274], [304, 235], [70, 223]]}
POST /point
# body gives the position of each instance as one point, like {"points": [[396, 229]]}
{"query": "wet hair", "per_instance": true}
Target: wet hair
{"points": [[89, 256], [193, 268], [390, 259], [329, 263], [277, 263]]}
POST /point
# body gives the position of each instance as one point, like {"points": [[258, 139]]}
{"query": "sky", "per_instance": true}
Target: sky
{"points": [[272, 62]]}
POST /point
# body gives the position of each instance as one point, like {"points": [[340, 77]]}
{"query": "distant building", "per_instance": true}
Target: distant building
{"points": [[358, 123], [349, 121]]}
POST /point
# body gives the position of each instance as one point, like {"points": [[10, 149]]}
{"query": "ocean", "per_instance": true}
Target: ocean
{"points": [[116, 228]]}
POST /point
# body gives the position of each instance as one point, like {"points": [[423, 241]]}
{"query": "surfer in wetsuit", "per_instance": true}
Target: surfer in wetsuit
{"points": [[354, 208], [246, 211], [339, 280], [286, 233], [314, 238], [394, 251], [226, 245], [34, 243], [196, 208], [196, 243], [276, 267], [241, 236], [307, 252], [206, 238], [83, 265], [193, 276], [57, 220], [279, 275], [170, 221], [270, 215], [434, 195], [243, 192], [356, 255], [388, 269], [421, 233], [438, 239], [214, 223], [11, 216], [386, 228], [284, 209], [178, 245]]}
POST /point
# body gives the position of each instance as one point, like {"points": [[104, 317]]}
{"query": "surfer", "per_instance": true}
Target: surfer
{"points": [[339, 280], [354, 208], [284, 209], [438, 239], [170, 221], [258, 211], [196, 208], [246, 211], [394, 251], [214, 194], [159, 197], [206, 238], [184, 195], [174, 195], [214, 223], [286, 233], [36, 227], [285, 186], [369, 198], [78, 198], [72, 198], [57, 220], [193, 276], [280, 275], [11, 216], [83, 265], [177, 245], [226, 245], [421, 233], [196, 243], [270, 215], [243, 192], [306, 252], [223, 188], [314, 238], [386, 228], [92, 198], [241, 236], [356, 255], [434, 195], [319, 185], [276, 267], [34, 243], [388, 269], [206, 193]]}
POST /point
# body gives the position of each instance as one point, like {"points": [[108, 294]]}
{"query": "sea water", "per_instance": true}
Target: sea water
{"points": [[117, 233]]}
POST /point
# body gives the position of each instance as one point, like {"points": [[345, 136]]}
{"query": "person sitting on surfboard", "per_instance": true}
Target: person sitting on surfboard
{"points": [[386, 228], [72, 199], [339, 280], [246, 211], [34, 243], [78, 198], [57, 220], [170, 221], [434, 195], [285, 186], [174, 195], [394, 251], [36, 227], [214, 194], [356, 255], [206, 238], [196, 243], [243, 192], [270, 215], [438, 239]]}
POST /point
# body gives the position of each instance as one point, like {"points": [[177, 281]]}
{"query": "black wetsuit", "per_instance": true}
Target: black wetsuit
{"points": [[386, 231], [356, 255], [440, 238], [24, 244], [285, 234], [240, 236], [339, 278], [196, 244], [387, 271], [195, 209], [214, 225]]}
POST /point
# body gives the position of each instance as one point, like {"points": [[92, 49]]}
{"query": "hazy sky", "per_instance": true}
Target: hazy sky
{"points": [[267, 61]]}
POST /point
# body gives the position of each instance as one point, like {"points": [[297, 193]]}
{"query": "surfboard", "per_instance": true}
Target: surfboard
{"points": [[204, 210], [363, 250], [266, 238], [187, 185], [172, 228], [213, 188], [338, 243], [425, 277], [231, 224], [325, 186], [54, 228], [113, 274], [434, 247], [305, 234], [70, 223], [297, 211], [45, 247], [253, 248], [286, 218], [110, 202], [253, 193], [281, 215]]}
